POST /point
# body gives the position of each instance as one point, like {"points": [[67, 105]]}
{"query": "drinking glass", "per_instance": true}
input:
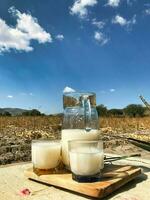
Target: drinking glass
{"points": [[45, 155], [86, 160]]}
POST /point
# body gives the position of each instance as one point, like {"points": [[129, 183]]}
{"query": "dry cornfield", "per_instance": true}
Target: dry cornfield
{"points": [[138, 128], [16, 134], [120, 124]]}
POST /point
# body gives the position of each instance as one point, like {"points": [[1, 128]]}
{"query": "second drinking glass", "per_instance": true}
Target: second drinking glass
{"points": [[86, 160]]}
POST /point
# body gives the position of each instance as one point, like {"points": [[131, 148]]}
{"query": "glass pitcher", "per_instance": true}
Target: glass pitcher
{"points": [[80, 120]]}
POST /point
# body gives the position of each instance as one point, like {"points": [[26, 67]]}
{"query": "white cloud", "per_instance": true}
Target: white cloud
{"points": [[68, 89], [119, 20], [124, 22], [59, 37], [24, 93], [112, 90], [20, 36], [98, 24], [133, 20], [147, 4], [101, 38], [147, 11], [10, 96], [113, 3], [130, 2], [80, 7]]}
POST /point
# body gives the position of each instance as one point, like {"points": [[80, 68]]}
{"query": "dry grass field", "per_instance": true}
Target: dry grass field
{"points": [[16, 134], [126, 124], [138, 128]]}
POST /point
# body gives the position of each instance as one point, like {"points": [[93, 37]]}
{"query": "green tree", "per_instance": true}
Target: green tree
{"points": [[26, 113], [33, 112], [101, 110], [115, 112], [134, 110], [8, 114]]}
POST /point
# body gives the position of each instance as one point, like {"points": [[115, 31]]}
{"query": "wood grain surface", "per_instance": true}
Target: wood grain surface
{"points": [[113, 177]]}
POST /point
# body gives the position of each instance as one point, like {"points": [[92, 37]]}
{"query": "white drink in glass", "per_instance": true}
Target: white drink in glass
{"points": [[75, 134], [86, 160], [45, 154]]}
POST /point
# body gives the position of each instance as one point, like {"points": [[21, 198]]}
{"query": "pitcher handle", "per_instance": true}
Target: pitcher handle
{"points": [[87, 112]]}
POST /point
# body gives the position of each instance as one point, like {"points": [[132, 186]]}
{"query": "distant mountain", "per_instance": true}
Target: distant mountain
{"points": [[19, 111], [13, 111]]}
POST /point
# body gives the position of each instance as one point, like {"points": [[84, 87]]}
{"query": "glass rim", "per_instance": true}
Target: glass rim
{"points": [[79, 93], [46, 140], [85, 141]]}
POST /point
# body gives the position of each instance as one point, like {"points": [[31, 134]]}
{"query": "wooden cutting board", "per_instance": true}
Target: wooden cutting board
{"points": [[113, 178]]}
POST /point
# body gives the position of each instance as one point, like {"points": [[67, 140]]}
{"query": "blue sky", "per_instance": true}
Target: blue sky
{"points": [[100, 46]]}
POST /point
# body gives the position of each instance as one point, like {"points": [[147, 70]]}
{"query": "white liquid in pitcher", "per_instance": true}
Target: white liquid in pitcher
{"points": [[86, 160], [75, 134]]}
